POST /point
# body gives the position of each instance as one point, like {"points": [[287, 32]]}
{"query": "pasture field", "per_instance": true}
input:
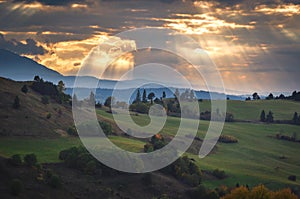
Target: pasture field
{"points": [[250, 110], [257, 158]]}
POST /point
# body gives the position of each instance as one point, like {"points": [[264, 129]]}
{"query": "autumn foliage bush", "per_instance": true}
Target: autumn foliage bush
{"points": [[228, 139], [259, 192]]}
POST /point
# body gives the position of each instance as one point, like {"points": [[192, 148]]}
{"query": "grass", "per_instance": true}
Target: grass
{"points": [[46, 149], [255, 159], [250, 110]]}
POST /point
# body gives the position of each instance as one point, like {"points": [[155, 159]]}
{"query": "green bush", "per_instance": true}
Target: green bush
{"points": [[16, 160], [72, 131], [292, 178], [55, 181], [24, 89], [185, 170], [157, 141], [220, 174], [106, 127], [148, 148], [48, 116], [227, 139], [30, 159], [16, 187], [139, 107]]}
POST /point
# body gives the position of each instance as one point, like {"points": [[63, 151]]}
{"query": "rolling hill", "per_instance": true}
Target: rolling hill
{"points": [[33, 117]]}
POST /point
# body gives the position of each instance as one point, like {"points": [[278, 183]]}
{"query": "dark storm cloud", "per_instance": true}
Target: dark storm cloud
{"points": [[52, 2], [30, 47]]}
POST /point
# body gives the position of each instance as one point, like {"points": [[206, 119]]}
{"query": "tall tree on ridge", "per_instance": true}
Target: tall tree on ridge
{"points": [[144, 98]]}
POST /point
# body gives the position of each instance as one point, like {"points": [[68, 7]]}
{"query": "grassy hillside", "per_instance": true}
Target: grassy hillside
{"points": [[31, 117], [255, 159], [250, 110]]}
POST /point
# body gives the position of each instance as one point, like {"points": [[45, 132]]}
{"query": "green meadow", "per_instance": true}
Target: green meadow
{"points": [[257, 158]]}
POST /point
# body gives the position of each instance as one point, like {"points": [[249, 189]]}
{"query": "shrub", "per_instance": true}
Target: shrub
{"points": [[55, 181], [284, 193], [24, 89], [30, 159], [220, 174], [148, 148], [292, 178], [240, 192], [157, 141], [82, 159], [185, 170], [48, 116], [45, 100], [69, 156], [222, 190], [16, 103], [72, 131], [16, 160], [227, 139], [106, 127], [16, 187], [259, 192], [139, 107]]}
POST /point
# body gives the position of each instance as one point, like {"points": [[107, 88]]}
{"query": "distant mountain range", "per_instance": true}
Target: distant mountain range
{"points": [[19, 68]]}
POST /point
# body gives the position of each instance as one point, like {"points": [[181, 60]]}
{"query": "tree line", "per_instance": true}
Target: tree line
{"points": [[294, 96]]}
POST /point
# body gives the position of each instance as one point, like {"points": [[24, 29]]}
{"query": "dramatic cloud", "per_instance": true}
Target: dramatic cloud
{"points": [[53, 2], [249, 41], [29, 46]]}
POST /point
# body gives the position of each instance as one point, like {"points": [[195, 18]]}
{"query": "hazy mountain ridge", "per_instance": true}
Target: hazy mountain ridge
{"points": [[21, 68]]}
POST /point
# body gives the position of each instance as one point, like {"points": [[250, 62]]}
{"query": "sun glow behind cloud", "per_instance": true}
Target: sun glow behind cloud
{"points": [[246, 40], [66, 57], [286, 9]]}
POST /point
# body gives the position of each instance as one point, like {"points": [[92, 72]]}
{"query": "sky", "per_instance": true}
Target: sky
{"points": [[255, 45]]}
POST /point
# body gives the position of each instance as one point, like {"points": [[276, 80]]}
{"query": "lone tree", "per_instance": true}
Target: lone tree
{"points": [[255, 96], [281, 96], [270, 117], [138, 96], [151, 96], [109, 101], [295, 118], [192, 95], [92, 99], [37, 78], [16, 104], [164, 94], [263, 116], [61, 87], [144, 98], [75, 99], [24, 89], [176, 94], [270, 97]]}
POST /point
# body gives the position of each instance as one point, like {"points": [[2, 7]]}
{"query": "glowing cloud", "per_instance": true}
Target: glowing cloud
{"points": [[110, 48], [285, 9]]}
